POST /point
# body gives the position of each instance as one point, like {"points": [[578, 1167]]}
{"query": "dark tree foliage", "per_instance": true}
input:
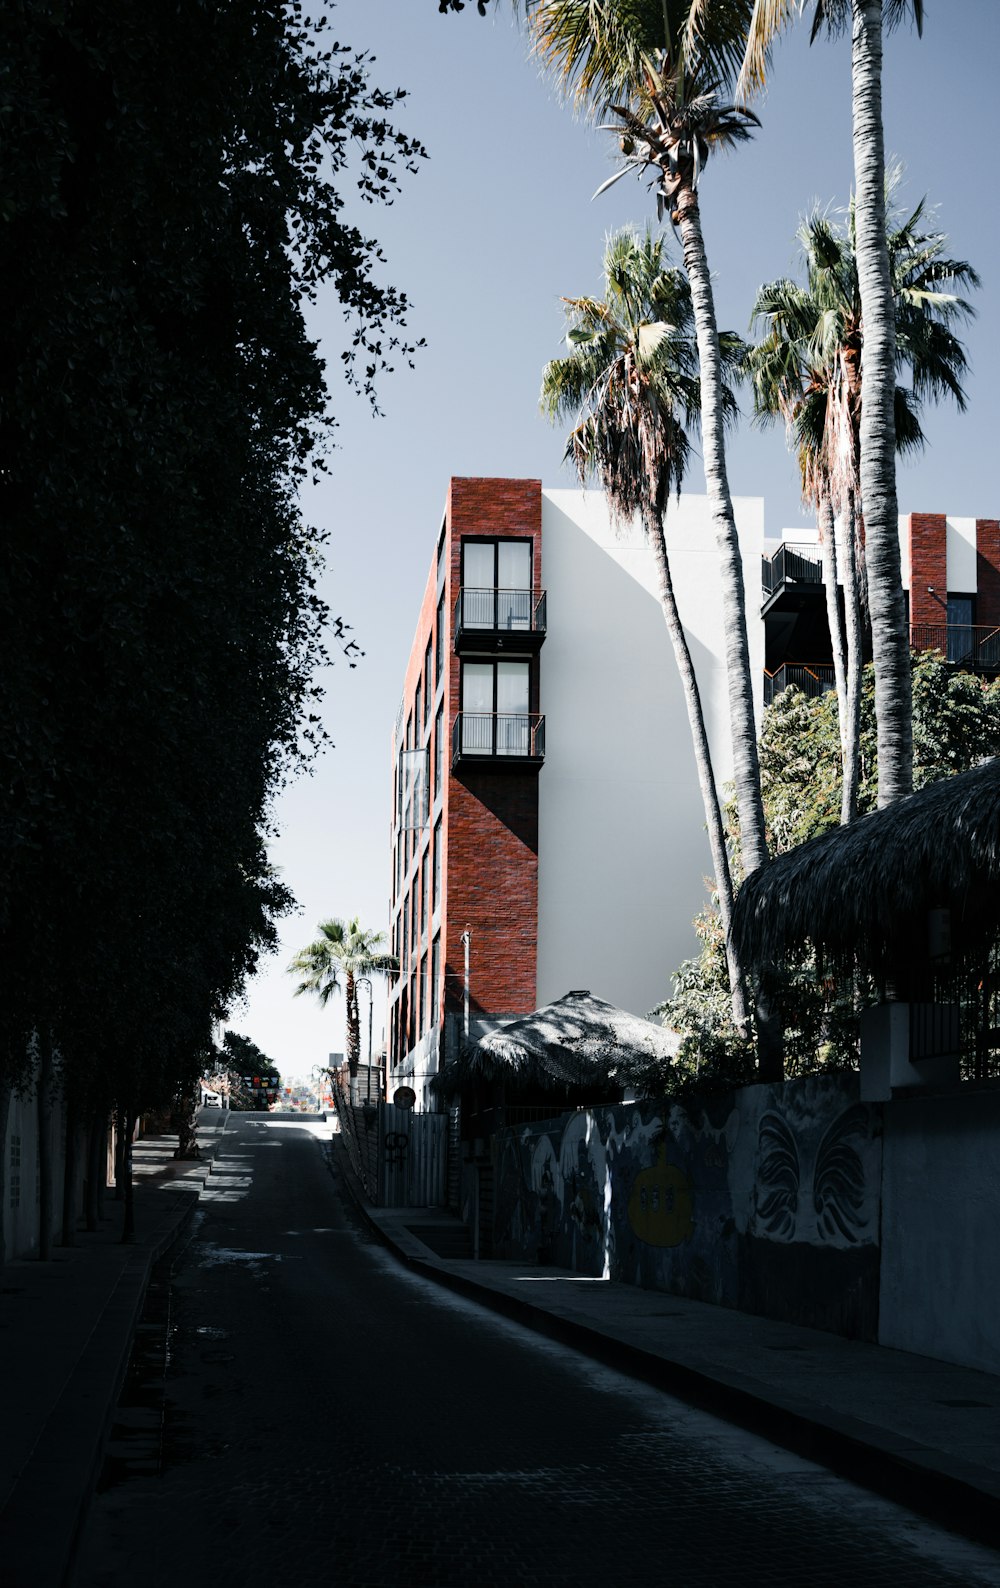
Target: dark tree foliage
{"points": [[170, 193]]}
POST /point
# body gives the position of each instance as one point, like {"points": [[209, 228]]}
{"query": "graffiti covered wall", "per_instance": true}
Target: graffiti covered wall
{"points": [[765, 1199]]}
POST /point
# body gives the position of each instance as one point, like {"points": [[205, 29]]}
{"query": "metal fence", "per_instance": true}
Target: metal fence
{"points": [[813, 678]]}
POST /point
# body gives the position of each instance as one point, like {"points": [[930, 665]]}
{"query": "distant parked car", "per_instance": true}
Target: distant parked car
{"points": [[211, 1099]]}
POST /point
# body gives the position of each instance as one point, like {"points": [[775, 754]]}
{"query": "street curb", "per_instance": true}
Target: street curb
{"points": [[951, 1492]]}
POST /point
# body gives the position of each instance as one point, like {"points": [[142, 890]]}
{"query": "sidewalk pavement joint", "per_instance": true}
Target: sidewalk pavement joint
{"points": [[921, 1432]]}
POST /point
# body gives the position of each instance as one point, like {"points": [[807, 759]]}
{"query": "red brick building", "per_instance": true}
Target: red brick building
{"points": [[467, 748]]}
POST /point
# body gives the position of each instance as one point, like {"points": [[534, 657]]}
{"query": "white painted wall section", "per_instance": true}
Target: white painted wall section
{"points": [[623, 852], [960, 543]]}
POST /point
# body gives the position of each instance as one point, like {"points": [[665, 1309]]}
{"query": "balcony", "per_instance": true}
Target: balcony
{"points": [[972, 646], [813, 678], [499, 620], [789, 565], [503, 739]]}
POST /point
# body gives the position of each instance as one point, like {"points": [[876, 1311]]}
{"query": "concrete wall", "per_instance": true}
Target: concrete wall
{"points": [[766, 1200], [941, 1228], [621, 823]]}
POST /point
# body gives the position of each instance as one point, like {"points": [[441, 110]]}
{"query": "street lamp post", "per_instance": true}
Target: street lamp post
{"points": [[365, 981]]}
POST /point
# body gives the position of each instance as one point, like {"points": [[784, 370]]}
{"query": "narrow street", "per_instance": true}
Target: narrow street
{"points": [[302, 1409]]}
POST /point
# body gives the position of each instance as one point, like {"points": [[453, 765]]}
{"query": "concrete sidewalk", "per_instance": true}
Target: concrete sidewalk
{"points": [[66, 1330], [920, 1431]]}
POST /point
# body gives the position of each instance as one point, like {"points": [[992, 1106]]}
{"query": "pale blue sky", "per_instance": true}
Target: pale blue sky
{"points": [[498, 224]]}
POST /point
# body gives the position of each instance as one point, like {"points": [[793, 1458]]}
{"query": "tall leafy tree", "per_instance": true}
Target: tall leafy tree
{"points": [[630, 383], [623, 57], [334, 962], [172, 182], [808, 367]]}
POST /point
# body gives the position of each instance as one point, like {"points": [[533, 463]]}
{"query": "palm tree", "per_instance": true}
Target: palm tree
{"points": [[343, 953], [877, 464], [808, 368], [620, 57], [630, 381]]}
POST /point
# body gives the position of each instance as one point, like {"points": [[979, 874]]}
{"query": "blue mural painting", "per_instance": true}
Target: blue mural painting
{"points": [[764, 1199]]}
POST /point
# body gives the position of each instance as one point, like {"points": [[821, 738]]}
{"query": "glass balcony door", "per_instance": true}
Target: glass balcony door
{"points": [[495, 708], [496, 584]]}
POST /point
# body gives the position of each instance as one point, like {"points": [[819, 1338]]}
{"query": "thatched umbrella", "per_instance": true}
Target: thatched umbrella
{"points": [[862, 894], [578, 1042]]}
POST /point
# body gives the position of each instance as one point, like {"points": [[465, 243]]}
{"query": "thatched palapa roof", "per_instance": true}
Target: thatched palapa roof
{"points": [[579, 1041], [863, 892]]}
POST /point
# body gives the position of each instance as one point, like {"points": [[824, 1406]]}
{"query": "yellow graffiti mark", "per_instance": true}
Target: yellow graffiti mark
{"points": [[660, 1204]]}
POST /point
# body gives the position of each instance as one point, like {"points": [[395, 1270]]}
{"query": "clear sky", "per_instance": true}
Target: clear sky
{"points": [[498, 225]]}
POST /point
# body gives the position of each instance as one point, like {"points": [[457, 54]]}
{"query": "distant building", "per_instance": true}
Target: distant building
{"points": [[547, 820], [951, 574]]}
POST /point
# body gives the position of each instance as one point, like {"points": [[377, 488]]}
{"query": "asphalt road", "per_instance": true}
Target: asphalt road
{"points": [[303, 1410]]}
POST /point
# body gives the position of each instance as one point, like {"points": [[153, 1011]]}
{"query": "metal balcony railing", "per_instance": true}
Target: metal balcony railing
{"points": [[788, 565], [501, 736], [813, 678], [967, 644], [500, 612]]}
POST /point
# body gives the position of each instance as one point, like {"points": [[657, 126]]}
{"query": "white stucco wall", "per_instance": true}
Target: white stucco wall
{"points": [[940, 1274], [960, 544], [622, 848]]}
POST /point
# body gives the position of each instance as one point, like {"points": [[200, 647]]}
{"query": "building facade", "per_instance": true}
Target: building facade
{"points": [[548, 830], [950, 572]]}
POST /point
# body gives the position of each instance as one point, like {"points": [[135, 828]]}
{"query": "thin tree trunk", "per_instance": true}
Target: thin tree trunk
{"points": [[69, 1177], [95, 1169], [5, 1094], [120, 1121], [44, 1106], [703, 759], [890, 640], [746, 767], [851, 726], [128, 1223], [826, 526]]}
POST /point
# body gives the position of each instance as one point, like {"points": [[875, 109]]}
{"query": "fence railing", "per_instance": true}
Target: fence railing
{"points": [[813, 678], [788, 565], [500, 734], [500, 611], [968, 644]]}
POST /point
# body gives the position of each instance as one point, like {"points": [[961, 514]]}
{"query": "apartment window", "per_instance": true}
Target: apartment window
{"points": [[428, 684], [496, 584], [437, 866], [495, 717], [423, 896], [418, 712], [439, 753], [436, 978], [425, 1002], [439, 653]]}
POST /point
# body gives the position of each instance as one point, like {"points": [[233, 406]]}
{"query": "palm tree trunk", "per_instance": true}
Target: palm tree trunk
{"points": [[826, 527], [353, 1035], [746, 767], [890, 640], [653, 521], [851, 726]]}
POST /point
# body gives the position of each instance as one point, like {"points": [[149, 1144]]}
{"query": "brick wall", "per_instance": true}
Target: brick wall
{"points": [[490, 861], [988, 570], [928, 566]]}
